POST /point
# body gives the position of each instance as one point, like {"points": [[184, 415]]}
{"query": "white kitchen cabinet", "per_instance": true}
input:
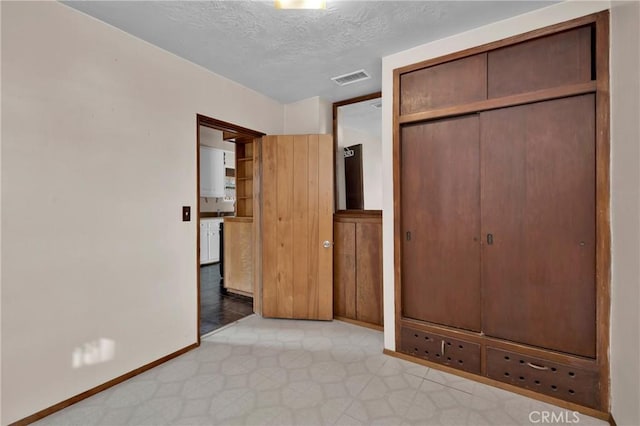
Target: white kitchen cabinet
{"points": [[212, 172], [209, 240], [229, 159]]}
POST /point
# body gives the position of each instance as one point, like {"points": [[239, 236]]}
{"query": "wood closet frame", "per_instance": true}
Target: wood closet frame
{"points": [[600, 87]]}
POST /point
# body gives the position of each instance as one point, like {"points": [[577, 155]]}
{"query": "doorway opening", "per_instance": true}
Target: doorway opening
{"points": [[224, 220]]}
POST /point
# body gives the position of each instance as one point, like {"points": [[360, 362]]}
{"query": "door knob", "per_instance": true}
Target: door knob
{"points": [[326, 244]]}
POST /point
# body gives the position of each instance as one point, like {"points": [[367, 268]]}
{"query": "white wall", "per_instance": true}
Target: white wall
{"points": [[625, 220], [308, 116], [625, 180], [98, 156]]}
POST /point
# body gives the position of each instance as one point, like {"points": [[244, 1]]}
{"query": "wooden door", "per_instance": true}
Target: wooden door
{"points": [[297, 220], [538, 206], [440, 198]]}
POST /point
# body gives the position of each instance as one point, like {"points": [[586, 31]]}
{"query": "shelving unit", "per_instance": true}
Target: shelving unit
{"points": [[244, 179], [238, 230]]}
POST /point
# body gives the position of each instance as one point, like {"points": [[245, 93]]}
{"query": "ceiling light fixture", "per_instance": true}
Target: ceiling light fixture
{"points": [[300, 4]]}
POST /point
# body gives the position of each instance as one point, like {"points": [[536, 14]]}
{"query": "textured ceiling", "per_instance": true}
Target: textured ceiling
{"points": [[291, 55]]}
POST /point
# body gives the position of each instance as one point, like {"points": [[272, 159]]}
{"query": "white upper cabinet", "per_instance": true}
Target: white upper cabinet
{"points": [[230, 159], [212, 172]]}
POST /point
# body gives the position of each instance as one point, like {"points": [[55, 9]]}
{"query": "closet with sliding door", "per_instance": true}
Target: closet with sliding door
{"points": [[501, 184]]}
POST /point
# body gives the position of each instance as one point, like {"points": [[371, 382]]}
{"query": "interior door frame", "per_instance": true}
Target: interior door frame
{"points": [[228, 129], [600, 87]]}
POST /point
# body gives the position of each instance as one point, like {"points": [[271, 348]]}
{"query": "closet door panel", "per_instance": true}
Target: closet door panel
{"points": [[538, 204], [440, 222]]}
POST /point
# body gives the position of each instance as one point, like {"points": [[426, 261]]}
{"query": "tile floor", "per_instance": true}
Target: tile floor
{"points": [[217, 309], [282, 372]]}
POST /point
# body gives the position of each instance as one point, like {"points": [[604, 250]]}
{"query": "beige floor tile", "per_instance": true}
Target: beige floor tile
{"points": [[279, 372]]}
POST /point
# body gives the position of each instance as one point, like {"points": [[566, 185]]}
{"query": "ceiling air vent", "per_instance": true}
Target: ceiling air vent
{"points": [[352, 77]]}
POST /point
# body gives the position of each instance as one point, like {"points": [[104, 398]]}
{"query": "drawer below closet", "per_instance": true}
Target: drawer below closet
{"points": [[578, 385], [441, 349]]}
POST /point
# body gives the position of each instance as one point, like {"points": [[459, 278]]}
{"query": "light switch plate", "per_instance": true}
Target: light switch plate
{"points": [[186, 213]]}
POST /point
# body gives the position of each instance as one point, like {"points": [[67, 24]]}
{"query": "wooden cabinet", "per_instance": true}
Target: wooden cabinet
{"points": [[357, 279], [501, 201], [238, 255], [209, 240], [543, 63], [211, 172], [443, 85]]}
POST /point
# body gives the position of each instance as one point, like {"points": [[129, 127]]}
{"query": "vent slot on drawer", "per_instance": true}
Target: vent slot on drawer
{"points": [[441, 349], [561, 381]]}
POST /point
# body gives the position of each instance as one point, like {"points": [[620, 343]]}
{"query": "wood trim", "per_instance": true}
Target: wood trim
{"points": [[397, 222], [245, 135], [244, 219], [359, 212], [357, 99], [209, 215], [541, 32], [224, 126], [197, 225], [603, 222], [336, 105], [358, 215], [86, 394], [487, 381], [360, 323], [506, 101], [257, 226]]}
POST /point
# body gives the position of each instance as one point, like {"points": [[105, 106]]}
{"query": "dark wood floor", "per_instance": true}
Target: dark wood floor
{"points": [[217, 309]]}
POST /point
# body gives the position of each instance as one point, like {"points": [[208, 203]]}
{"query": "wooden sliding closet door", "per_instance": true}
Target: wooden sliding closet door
{"points": [[297, 220], [440, 222], [538, 224]]}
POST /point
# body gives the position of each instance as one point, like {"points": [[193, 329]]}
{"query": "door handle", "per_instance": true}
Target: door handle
{"points": [[490, 239], [537, 367], [326, 244]]}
